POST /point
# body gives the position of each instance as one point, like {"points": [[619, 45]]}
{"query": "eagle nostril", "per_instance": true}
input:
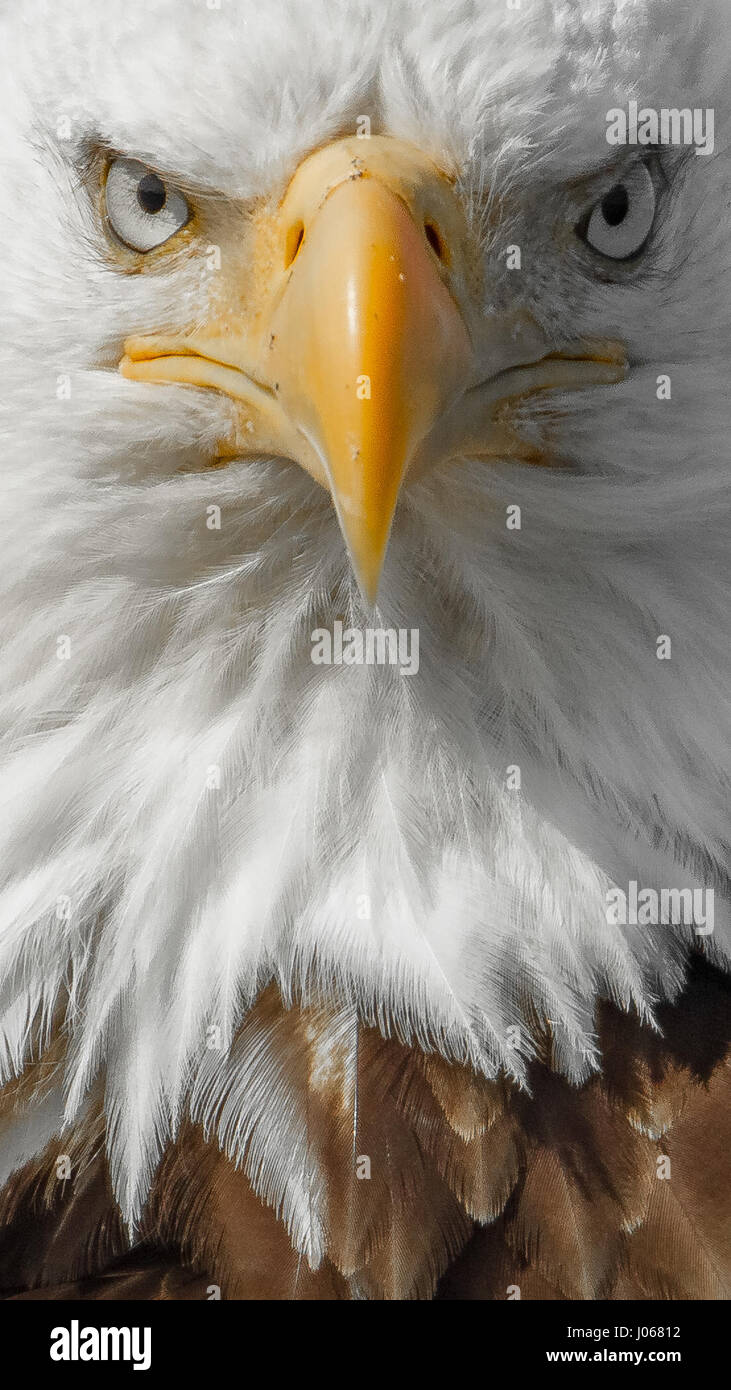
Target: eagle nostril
{"points": [[433, 236], [295, 237]]}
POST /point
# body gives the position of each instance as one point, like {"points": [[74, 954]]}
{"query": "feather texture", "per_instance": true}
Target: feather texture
{"points": [[559, 1193], [266, 924], [150, 905]]}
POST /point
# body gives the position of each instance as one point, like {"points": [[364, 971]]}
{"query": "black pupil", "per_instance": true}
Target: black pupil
{"points": [[615, 206], [151, 193]]}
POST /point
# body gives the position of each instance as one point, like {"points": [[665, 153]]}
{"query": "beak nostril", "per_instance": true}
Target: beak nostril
{"points": [[433, 236], [295, 237]]}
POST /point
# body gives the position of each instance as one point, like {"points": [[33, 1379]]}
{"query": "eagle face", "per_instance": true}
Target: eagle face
{"points": [[350, 313]]}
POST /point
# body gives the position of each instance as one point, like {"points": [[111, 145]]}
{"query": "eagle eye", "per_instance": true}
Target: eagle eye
{"points": [[143, 211], [619, 225]]}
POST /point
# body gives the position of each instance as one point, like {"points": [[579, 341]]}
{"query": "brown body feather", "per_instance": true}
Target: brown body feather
{"points": [[477, 1190]]}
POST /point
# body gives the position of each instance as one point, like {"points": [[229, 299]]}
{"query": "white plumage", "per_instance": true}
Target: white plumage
{"points": [[151, 904]]}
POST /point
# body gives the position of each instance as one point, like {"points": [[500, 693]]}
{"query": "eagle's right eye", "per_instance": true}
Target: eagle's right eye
{"points": [[619, 225], [142, 210]]}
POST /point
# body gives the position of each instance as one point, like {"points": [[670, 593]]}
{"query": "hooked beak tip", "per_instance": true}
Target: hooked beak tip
{"points": [[366, 560]]}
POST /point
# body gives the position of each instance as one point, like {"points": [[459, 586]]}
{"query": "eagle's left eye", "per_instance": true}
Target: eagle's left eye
{"points": [[619, 225], [142, 210]]}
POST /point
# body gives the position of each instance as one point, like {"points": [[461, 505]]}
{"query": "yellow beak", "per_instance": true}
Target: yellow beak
{"points": [[372, 351], [346, 344]]}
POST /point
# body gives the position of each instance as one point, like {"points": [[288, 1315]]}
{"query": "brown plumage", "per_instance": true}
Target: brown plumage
{"points": [[476, 1189]]}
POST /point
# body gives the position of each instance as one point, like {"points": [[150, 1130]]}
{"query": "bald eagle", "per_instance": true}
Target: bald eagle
{"points": [[328, 978]]}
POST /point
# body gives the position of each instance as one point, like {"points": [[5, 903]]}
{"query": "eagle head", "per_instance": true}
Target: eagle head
{"points": [[349, 314]]}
